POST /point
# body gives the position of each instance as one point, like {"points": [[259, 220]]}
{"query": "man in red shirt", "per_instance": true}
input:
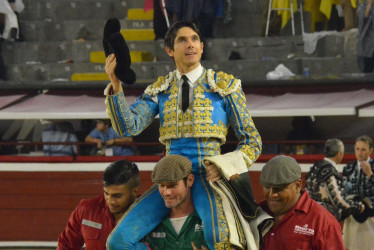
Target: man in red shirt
{"points": [[93, 219], [299, 222]]}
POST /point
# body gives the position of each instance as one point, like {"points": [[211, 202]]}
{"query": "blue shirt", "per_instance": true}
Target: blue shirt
{"points": [[111, 134]]}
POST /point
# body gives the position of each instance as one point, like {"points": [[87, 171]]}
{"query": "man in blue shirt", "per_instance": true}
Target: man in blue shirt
{"points": [[104, 134]]}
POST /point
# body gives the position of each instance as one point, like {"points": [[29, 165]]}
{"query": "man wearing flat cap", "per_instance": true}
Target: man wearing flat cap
{"points": [[183, 228], [300, 222]]}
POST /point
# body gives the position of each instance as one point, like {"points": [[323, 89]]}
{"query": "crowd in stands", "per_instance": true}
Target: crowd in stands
{"points": [[103, 136]]}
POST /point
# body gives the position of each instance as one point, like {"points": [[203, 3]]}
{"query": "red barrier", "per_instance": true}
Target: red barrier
{"points": [[145, 158]]}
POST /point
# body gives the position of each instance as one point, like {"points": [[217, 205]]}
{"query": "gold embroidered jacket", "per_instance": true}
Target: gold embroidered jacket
{"points": [[218, 102]]}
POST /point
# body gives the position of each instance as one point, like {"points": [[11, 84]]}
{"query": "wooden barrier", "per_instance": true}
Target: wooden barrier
{"points": [[35, 204]]}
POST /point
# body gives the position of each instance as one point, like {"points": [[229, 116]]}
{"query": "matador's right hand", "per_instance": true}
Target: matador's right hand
{"points": [[110, 66]]}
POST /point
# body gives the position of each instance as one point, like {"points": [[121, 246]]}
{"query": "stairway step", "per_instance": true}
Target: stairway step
{"points": [[137, 24], [75, 9], [69, 30], [136, 56], [76, 77], [138, 34], [246, 70], [139, 14], [79, 52]]}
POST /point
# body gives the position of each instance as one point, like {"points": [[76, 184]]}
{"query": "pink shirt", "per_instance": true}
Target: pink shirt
{"points": [[307, 225]]}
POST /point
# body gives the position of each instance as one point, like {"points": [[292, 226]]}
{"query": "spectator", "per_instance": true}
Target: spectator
{"points": [[104, 135], [350, 18], [2, 65], [358, 181], [183, 227], [86, 126], [302, 129], [201, 12], [159, 21], [3, 75], [299, 221], [275, 21], [324, 184], [10, 31], [93, 219], [365, 44], [17, 6], [59, 132]]}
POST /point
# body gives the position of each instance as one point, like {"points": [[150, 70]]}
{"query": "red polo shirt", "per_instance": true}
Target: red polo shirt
{"points": [[307, 225], [90, 223]]}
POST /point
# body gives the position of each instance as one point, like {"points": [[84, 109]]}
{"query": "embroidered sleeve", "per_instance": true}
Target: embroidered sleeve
{"points": [[130, 120], [371, 179], [349, 180], [250, 143], [335, 194]]}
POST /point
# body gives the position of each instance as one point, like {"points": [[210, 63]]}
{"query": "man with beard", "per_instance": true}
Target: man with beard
{"points": [[93, 219]]}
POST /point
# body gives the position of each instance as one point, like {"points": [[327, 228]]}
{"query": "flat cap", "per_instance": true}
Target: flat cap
{"points": [[171, 168], [279, 171]]}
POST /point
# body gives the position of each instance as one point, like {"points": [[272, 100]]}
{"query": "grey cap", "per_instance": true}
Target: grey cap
{"points": [[279, 171], [171, 168]]}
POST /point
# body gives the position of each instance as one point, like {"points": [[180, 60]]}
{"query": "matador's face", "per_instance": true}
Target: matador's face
{"points": [[187, 50]]}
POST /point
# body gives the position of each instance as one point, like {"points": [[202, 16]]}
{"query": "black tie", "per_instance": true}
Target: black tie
{"points": [[185, 93]]}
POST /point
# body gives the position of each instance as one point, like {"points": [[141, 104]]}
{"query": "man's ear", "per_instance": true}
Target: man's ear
{"points": [[299, 184], [169, 51], [190, 180], [136, 191]]}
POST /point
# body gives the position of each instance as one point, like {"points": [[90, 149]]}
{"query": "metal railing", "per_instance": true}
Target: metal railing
{"points": [[33, 147]]}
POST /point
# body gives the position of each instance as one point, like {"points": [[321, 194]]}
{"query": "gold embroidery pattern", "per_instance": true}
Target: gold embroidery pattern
{"points": [[168, 129], [167, 148], [223, 229], [202, 107], [195, 122], [161, 84], [223, 246], [211, 146], [156, 85], [225, 84], [252, 148]]}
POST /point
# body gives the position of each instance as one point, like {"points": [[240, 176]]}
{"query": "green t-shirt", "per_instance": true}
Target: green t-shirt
{"points": [[165, 237]]}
